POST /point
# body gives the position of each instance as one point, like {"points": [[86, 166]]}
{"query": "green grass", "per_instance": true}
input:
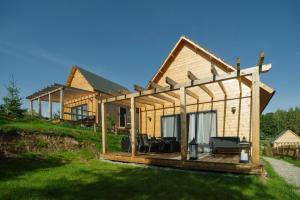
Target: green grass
{"points": [[38, 126], [79, 175]]}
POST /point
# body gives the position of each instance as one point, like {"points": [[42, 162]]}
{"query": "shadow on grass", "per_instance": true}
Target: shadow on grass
{"points": [[13, 167], [111, 182]]}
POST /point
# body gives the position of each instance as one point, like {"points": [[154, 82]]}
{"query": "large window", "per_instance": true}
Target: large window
{"points": [[202, 126], [122, 117], [170, 126], [79, 112]]}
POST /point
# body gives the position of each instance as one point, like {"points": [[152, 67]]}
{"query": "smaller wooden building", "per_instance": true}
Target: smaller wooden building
{"points": [[79, 99], [286, 138]]}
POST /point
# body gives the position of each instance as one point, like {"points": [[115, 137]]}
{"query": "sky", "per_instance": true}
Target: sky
{"points": [[127, 41]]}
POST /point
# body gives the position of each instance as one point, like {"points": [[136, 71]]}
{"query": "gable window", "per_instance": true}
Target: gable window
{"points": [[122, 117], [79, 112]]}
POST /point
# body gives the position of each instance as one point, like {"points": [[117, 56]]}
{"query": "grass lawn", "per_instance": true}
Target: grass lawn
{"points": [[64, 175], [79, 175]]}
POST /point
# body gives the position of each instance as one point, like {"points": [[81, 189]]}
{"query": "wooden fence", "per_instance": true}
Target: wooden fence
{"points": [[290, 151]]}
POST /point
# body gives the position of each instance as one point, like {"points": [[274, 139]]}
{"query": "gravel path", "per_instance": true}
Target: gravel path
{"points": [[288, 171]]}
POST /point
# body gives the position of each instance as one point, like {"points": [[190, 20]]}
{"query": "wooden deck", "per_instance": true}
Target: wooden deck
{"points": [[205, 162]]}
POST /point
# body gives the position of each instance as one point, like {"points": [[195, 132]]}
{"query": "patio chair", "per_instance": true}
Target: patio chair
{"points": [[126, 144], [149, 145]]}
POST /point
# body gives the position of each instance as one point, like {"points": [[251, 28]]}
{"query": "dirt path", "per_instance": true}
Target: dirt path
{"points": [[288, 171]]}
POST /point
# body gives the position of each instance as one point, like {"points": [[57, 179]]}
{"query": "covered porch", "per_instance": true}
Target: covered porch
{"points": [[75, 105], [235, 97]]}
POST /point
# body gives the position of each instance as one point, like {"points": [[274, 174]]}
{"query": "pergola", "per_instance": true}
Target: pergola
{"points": [[168, 96], [58, 93]]}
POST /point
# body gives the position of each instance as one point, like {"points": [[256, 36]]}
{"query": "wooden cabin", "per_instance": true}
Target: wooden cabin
{"points": [[286, 138], [79, 99], [196, 95]]}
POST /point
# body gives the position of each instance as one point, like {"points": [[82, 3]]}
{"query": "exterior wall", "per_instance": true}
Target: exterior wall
{"points": [[288, 138], [78, 102], [237, 124], [79, 81]]}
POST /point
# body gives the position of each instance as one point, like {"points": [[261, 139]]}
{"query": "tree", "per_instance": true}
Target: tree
{"points": [[12, 102]]}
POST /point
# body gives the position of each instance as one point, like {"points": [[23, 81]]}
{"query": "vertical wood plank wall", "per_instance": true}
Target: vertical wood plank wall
{"points": [[190, 60]]}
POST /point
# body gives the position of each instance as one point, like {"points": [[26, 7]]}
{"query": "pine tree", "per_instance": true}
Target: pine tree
{"points": [[12, 102]]}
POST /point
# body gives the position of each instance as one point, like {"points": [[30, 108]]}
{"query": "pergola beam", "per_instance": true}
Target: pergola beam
{"points": [[220, 83], [152, 100], [173, 83], [172, 94], [208, 80], [192, 77], [160, 96], [261, 60]]}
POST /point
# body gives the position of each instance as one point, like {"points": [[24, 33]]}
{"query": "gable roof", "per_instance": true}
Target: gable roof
{"points": [[282, 133], [266, 91], [98, 83]]}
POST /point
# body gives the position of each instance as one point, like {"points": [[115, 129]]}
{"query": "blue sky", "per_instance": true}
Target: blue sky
{"points": [[126, 41]]}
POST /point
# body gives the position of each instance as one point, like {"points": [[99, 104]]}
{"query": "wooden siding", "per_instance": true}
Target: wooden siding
{"points": [[186, 60], [79, 81], [287, 138]]}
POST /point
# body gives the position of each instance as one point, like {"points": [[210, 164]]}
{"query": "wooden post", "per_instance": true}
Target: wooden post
{"points": [[31, 107], [50, 107], [61, 103], [40, 106], [104, 134], [96, 107], [255, 117], [183, 131], [133, 127]]}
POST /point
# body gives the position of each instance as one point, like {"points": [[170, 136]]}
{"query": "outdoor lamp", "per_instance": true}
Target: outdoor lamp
{"points": [[244, 151], [233, 109], [193, 150]]}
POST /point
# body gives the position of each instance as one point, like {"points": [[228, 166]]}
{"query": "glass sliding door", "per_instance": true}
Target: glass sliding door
{"points": [[170, 126], [202, 126]]}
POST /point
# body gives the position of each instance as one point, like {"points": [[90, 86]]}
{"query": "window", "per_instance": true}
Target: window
{"points": [[122, 117], [79, 112], [170, 126], [202, 126]]}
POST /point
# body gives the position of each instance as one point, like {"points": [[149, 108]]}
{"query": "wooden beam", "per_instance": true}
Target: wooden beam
{"points": [[220, 83], [192, 77], [208, 80], [152, 100], [255, 117], [238, 66], [261, 60], [183, 126], [61, 96], [96, 107], [40, 107], [50, 106], [133, 127], [160, 96], [173, 83], [104, 129], [172, 94], [170, 82], [31, 107], [142, 101]]}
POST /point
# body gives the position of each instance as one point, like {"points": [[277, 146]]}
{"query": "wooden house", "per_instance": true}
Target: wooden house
{"points": [[79, 98], [286, 138], [195, 95]]}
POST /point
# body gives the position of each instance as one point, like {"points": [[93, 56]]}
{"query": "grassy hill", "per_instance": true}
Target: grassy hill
{"points": [[80, 175]]}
